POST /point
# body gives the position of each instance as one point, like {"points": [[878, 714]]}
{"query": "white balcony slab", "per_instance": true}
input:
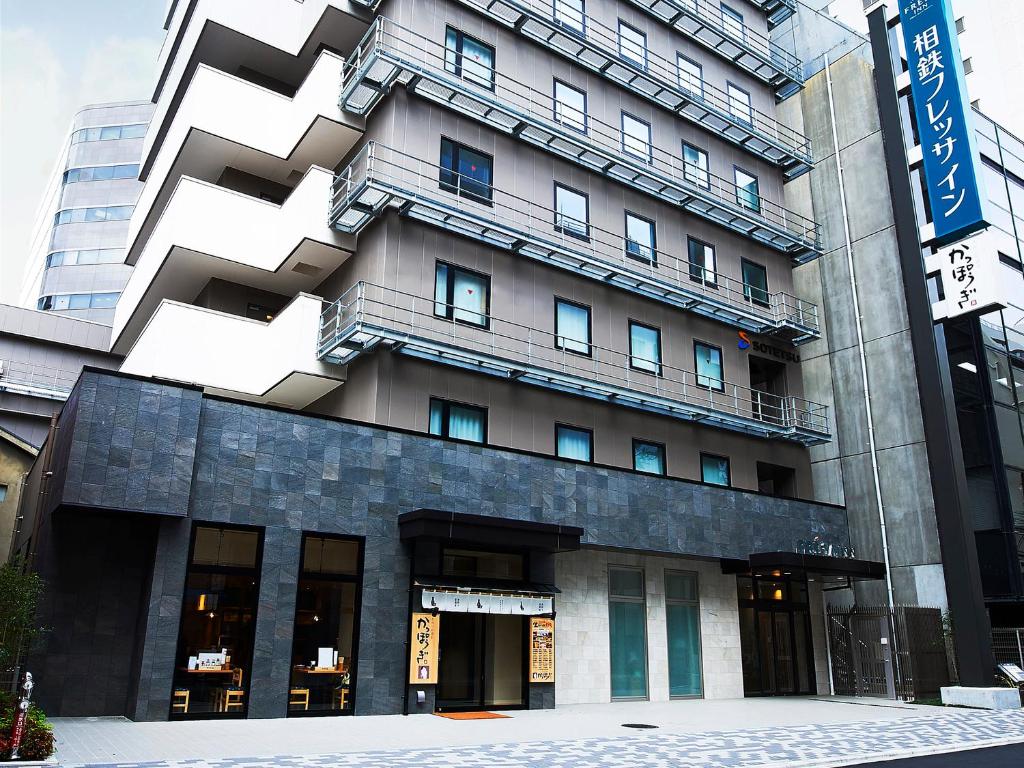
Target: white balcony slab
{"points": [[207, 231], [273, 362]]}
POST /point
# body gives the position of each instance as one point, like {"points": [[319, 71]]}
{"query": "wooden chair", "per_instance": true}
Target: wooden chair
{"points": [[299, 697], [236, 677], [232, 698], [179, 700], [341, 697]]}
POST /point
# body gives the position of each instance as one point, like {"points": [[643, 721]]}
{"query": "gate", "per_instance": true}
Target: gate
{"points": [[899, 653]]}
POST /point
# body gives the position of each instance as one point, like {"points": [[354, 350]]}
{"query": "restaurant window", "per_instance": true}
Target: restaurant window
{"points": [[461, 295], [682, 624], [570, 105], [747, 191], [702, 261], [714, 469], [466, 172], [571, 14], [641, 239], [458, 421], [218, 624], [469, 58], [325, 635], [755, 283], [572, 327], [627, 619], [636, 137], [708, 362], [574, 443], [739, 104], [648, 457], [691, 75], [732, 22], [474, 564], [572, 212], [644, 348], [632, 45], [695, 166]]}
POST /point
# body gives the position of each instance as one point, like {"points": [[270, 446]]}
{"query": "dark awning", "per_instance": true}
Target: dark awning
{"points": [[486, 531], [499, 586], [763, 563]]}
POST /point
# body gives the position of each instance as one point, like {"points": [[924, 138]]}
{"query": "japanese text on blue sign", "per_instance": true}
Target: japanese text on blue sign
{"points": [[951, 167]]}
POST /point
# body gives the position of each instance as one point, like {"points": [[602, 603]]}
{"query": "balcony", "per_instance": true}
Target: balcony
{"points": [[703, 22], [232, 355], [777, 10], [659, 81], [368, 316], [380, 178], [34, 380]]}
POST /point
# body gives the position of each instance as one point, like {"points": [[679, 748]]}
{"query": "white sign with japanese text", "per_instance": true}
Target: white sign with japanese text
{"points": [[971, 281]]}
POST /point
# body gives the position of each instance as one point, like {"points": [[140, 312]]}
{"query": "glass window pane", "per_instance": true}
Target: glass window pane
{"points": [[133, 131], [709, 366], [636, 137], [469, 297], [682, 623], [572, 443], [436, 417], [640, 238], [570, 106], [691, 75], [572, 327], [482, 565], [714, 469], [571, 215], [680, 585], [732, 22], [441, 291], [475, 172], [102, 173], [755, 283], [747, 192], [645, 348], [632, 45], [739, 104], [477, 62], [649, 457], [323, 555], [61, 302], [79, 301], [695, 166], [110, 132], [466, 423], [570, 13], [625, 582], [702, 262], [104, 300]]}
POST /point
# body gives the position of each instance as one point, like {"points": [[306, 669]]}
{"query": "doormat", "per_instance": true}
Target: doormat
{"points": [[471, 715]]}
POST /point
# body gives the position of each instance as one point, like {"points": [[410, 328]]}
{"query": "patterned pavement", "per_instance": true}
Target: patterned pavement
{"points": [[788, 747]]}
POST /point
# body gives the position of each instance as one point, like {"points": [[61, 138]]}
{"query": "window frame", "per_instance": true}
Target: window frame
{"points": [[713, 282], [449, 294], [734, 16], [749, 120], [649, 156], [458, 67], [687, 173], [696, 367], [446, 419], [459, 190], [590, 328], [664, 457], [557, 81], [728, 468], [660, 365], [700, 634], [653, 259], [566, 25], [643, 36], [736, 171], [562, 229], [642, 601], [680, 56], [590, 437], [766, 302]]}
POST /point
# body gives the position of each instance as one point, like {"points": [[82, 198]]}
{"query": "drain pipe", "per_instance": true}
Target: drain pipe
{"points": [[863, 366]]}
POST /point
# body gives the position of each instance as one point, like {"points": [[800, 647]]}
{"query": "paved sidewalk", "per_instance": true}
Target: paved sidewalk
{"points": [[775, 732]]}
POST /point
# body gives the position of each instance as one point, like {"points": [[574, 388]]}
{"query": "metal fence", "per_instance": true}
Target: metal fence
{"points": [[1008, 645], [894, 653]]}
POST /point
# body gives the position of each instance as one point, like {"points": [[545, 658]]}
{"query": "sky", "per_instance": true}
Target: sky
{"points": [[55, 56]]}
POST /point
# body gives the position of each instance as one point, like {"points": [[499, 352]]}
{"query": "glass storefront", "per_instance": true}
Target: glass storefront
{"points": [[682, 620], [627, 614], [775, 635], [218, 622], [326, 623]]}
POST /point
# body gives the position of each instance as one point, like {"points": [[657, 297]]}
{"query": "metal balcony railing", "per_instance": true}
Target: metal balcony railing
{"points": [[36, 380], [776, 10], [657, 79], [379, 177], [367, 315], [705, 23]]}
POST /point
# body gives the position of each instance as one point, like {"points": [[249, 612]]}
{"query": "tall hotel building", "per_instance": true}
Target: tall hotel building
{"points": [[452, 324], [76, 256]]}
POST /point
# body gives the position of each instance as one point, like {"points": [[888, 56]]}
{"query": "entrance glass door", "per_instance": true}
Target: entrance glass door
{"points": [[480, 662], [775, 636]]}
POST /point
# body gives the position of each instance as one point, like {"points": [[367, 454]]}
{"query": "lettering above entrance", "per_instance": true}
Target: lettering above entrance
{"points": [[487, 602], [747, 343]]}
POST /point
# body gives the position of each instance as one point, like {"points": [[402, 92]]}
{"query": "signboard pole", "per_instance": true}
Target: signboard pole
{"points": [[21, 715]]}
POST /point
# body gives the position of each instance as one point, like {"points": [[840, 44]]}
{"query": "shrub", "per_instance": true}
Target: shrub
{"points": [[37, 743]]}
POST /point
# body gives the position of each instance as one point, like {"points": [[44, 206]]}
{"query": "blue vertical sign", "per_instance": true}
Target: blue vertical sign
{"points": [[952, 170]]}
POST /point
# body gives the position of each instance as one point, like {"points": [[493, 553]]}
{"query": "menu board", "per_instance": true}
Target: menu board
{"points": [[542, 650], [423, 649]]}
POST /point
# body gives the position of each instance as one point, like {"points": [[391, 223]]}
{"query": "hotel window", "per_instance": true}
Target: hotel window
{"points": [[77, 301], [644, 348], [570, 106], [739, 104], [691, 75], [574, 443], [641, 239], [89, 256], [682, 624], [708, 363], [469, 58], [755, 283], [101, 173], [572, 212], [636, 137], [109, 133], [649, 457], [458, 421], [747, 190], [466, 172], [632, 45], [627, 620], [99, 213], [695, 166], [572, 327], [714, 469], [571, 14], [732, 22], [702, 262], [324, 635], [218, 623], [461, 295]]}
